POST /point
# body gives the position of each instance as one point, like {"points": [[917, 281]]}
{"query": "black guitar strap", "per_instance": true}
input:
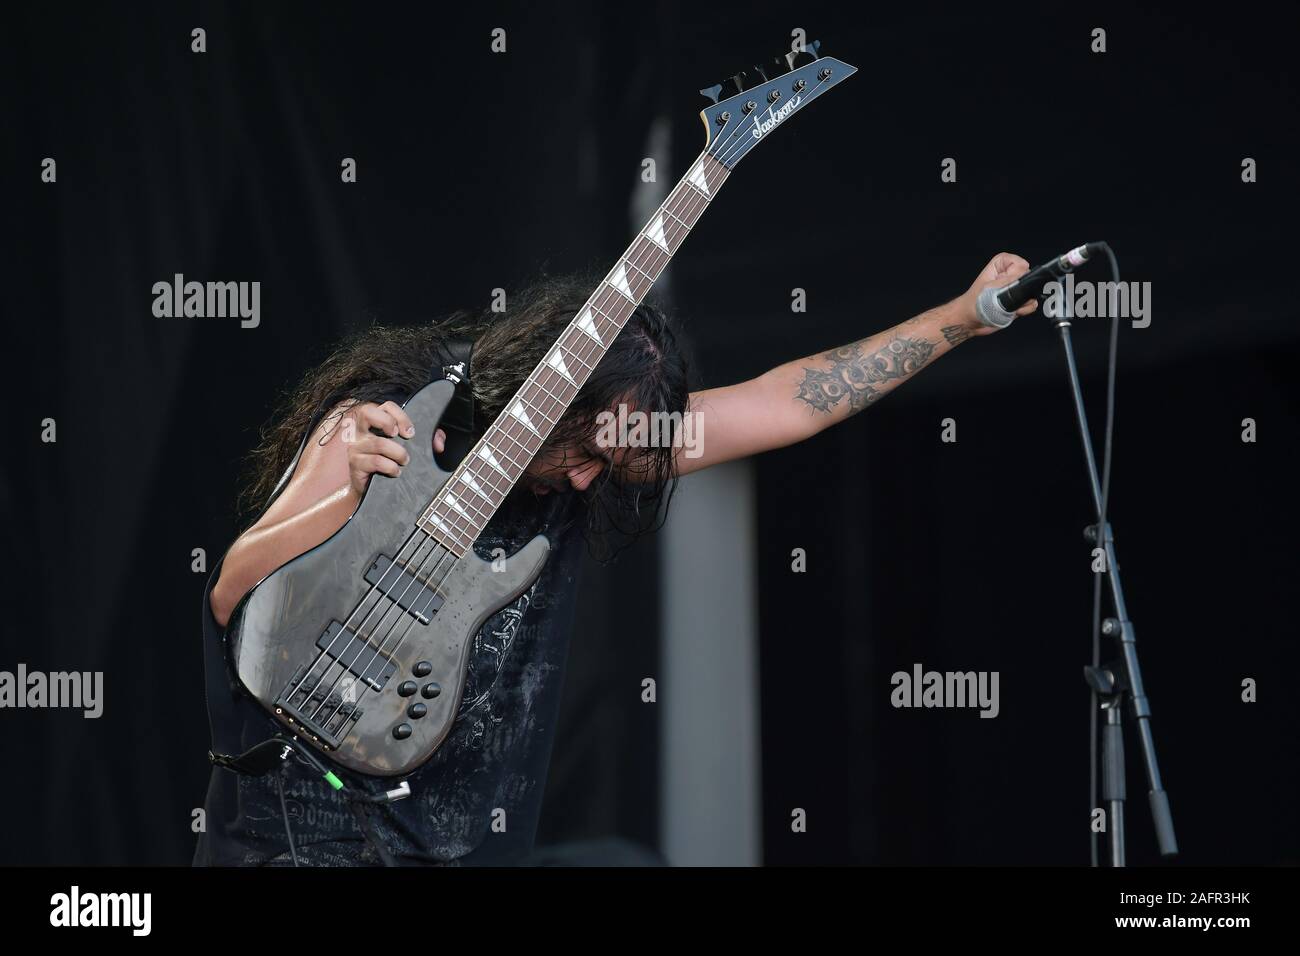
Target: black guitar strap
{"points": [[454, 363]]}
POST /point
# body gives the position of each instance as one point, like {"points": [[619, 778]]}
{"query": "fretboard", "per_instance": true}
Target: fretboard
{"points": [[457, 516]]}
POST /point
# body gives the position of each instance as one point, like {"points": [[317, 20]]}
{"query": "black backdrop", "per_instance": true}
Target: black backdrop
{"points": [[475, 171]]}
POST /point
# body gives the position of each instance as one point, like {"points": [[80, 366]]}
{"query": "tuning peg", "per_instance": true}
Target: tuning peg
{"points": [[798, 58], [777, 67], [712, 92]]}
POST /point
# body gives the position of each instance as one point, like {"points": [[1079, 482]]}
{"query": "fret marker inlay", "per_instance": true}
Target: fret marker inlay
{"points": [[587, 325], [656, 233], [468, 479], [486, 454], [451, 500], [522, 417], [619, 282], [698, 180], [556, 361]]}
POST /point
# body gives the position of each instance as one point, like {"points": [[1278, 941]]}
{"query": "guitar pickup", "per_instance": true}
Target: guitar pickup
{"points": [[404, 589], [358, 656]]}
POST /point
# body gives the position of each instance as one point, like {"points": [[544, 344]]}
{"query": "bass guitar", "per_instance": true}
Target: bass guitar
{"points": [[360, 646]]}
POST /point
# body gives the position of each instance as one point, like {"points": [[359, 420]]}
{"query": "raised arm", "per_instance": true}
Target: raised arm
{"points": [[797, 400]]}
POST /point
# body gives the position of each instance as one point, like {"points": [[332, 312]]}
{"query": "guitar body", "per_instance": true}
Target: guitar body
{"points": [[288, 631]]}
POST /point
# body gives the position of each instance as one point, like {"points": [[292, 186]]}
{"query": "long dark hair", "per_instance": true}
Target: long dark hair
{"points": [[644, 367]]}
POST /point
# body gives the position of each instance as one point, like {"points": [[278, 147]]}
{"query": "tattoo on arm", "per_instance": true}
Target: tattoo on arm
{"points": [[956, 334], [856, 376]]}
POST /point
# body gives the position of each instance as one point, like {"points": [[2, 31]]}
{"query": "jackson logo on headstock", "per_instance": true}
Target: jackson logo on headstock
{"points": [[762, 129]]}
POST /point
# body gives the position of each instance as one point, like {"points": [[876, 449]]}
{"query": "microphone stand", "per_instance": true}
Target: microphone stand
{"points": [[1120, 679]]}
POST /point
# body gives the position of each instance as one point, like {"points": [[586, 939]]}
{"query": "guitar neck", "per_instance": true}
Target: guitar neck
{"points": [[470, 497]]}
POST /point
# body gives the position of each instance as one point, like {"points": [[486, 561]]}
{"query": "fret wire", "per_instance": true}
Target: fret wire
{"points": [[642, 271], [614, 317], [450, 544], [657, 266], [532, 405], [619, 292], [686, 194], [438, 534], [510, 459], [698, 203], [668, 251], [565, 356], [635, 258], [599, 311], [474, 520], [447, 513], [580, 356], [432, 514], [469, 470], [449, 516], [692, 195], [461, 496], [506, 454], [655, 249], [502, 453], [693, 215], [676, 233], [673, 215], [645, 258], [453, 517], [489, 480], [524, 394], [563, 402], [658, 255], [499, 453], [487, 445], [573, 352], [536, 380], [539, 410], [461, 499]]}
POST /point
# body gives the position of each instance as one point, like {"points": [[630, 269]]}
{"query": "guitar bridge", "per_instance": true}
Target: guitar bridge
{"points": [[325, 704]]}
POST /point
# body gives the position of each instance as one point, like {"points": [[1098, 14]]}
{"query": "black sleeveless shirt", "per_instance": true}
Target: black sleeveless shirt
{"points": [[494, 758]]}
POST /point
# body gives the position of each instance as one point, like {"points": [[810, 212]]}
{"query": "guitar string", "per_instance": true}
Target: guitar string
{"points": [[398, 564], [582, 354], [416, 574], [694, 208], [652, 250]]}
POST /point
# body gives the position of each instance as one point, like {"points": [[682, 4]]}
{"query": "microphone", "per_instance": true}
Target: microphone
{"points": [[997, 307]]}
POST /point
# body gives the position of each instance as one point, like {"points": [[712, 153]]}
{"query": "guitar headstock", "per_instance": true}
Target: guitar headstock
{"points": [[754, 102]]}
